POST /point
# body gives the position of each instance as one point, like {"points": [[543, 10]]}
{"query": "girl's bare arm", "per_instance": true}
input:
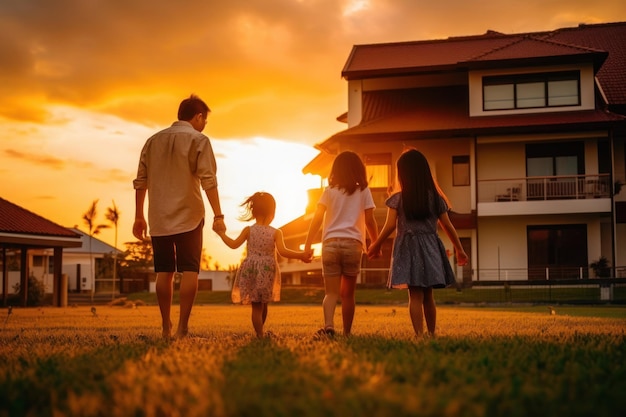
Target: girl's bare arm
{"points": [[316, 223], [286, 252], [235, 243], [388, 228], [448, 227], [371, 224]]}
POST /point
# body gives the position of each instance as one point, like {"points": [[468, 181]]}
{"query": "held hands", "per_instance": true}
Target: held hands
{"points": [[307, 256], [219, 226], [374, 251]]}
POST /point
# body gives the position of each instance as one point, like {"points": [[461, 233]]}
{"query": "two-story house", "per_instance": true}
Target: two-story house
{"points": [[524, 132]]}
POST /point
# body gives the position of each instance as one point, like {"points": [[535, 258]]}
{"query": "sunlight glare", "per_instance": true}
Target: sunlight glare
{"points": [[355, 6]]}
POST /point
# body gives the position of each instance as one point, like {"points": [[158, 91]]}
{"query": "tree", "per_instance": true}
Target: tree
{"points": [[205, 260], [138, 256], [89, 218], [113, 215]]}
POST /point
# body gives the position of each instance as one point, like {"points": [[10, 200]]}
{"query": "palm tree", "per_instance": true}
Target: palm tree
{"points": [[90, 218], [113, 215]]}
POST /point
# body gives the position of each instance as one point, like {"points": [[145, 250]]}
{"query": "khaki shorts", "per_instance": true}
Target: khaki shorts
{"points": [[341, 257]]}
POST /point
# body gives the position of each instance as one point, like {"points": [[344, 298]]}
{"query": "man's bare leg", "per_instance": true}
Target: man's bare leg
{"points": [[188, 291], [164, 291]]}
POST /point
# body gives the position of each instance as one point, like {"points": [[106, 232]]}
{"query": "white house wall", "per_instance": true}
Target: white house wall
{"points": [[502, 241], [355, 102]]}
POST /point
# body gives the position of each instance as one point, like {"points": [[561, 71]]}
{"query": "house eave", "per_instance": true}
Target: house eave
{"points": [[39, 240]]}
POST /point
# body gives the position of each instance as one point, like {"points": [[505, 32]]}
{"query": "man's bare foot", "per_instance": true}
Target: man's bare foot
{"points": [[167, 331], [182, 333]]}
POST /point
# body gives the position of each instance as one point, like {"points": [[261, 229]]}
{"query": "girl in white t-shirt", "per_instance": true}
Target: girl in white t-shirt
{"points": [[346, 210]]}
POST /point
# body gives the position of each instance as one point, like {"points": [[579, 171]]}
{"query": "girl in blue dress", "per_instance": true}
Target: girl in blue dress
{"points": [[419, 261]]}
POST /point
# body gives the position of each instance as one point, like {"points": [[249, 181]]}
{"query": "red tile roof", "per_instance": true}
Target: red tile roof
{"points": [[17, 220], [539, 50], [598, 42], [610, 37]]}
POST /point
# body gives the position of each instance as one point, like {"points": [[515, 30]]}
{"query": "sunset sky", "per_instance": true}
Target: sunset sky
{"points": [[83, 84]]}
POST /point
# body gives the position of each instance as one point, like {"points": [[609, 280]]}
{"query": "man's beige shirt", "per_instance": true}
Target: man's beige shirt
{"points": [[175, 165]]}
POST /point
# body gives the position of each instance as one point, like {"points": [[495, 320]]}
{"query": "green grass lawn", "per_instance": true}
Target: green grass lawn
{"points": [[484, 362], [399, 298]]}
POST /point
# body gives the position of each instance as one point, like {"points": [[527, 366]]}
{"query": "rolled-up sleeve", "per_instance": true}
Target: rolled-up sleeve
{"points": [[206, 168], [141, 181]]}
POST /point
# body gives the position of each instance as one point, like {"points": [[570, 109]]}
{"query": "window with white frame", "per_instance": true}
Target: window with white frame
{"points": [[524, 91]]}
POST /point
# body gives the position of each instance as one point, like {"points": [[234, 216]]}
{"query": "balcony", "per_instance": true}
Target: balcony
{"points": [[545, 195]]}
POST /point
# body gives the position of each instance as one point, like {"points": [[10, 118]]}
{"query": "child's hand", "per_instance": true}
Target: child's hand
{"points": [[307, 256], [219, 226], [373, 252], [461, 258]]}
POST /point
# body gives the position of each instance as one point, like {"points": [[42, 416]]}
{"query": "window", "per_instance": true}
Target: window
{"points": [[37, 260], [555, 167], [378, 169], [559, 249], [460, 170], [555, 159], [526, 91]]}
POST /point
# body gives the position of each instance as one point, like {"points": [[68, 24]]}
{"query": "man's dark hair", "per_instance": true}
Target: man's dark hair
{"points": [[191, 106]]}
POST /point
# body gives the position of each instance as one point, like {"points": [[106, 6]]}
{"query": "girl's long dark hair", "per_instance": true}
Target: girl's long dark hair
{"points": [[348, 173], [419, 188]]}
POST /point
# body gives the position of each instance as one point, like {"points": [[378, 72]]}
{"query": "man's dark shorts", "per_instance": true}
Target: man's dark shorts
{"points": [[178, 253]]}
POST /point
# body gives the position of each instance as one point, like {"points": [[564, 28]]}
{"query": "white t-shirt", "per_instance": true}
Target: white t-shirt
{"points": [[345, 214]]}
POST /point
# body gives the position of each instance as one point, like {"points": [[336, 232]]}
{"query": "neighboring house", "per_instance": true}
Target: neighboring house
{"points": [[524, 132], [23, 233], [207, 281], [82, 265]]}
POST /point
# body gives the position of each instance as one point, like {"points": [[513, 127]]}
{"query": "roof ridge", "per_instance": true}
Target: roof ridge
{"points": [[536, 38], [490, 33], [571, 45], [499, 48]]}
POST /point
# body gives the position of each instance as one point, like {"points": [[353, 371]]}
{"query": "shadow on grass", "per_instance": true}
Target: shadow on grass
{"points": [[66, 371]]}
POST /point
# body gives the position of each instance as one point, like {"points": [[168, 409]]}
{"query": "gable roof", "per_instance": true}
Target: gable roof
{"points": [[97, 245], [603, 44], [20, 226]]}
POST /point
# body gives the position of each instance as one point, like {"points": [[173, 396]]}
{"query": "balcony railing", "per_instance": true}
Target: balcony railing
{"points": [[560, 187]]}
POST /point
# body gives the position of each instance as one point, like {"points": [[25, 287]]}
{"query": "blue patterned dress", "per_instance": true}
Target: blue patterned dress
{"points": [[258, 277], [419, 257]]}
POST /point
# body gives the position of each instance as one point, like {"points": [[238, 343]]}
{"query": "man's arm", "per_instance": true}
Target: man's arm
{"points": [[140, 227], [218, 217]]}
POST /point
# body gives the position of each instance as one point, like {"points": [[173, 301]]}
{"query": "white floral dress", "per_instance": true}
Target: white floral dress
{"points": [[258, 277]]}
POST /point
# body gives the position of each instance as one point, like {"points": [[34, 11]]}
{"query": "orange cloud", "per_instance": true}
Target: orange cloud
{"points": [[50, 162], [266, 68]]}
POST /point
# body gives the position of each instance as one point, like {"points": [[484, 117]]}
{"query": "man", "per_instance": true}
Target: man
{"points": [[174, 165]]}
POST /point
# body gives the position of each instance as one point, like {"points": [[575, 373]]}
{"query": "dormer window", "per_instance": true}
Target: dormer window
{"points": [[526, 91]]}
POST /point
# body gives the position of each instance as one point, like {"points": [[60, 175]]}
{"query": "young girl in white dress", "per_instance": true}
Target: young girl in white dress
{"points": [[258, 278], [419, 261]]}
